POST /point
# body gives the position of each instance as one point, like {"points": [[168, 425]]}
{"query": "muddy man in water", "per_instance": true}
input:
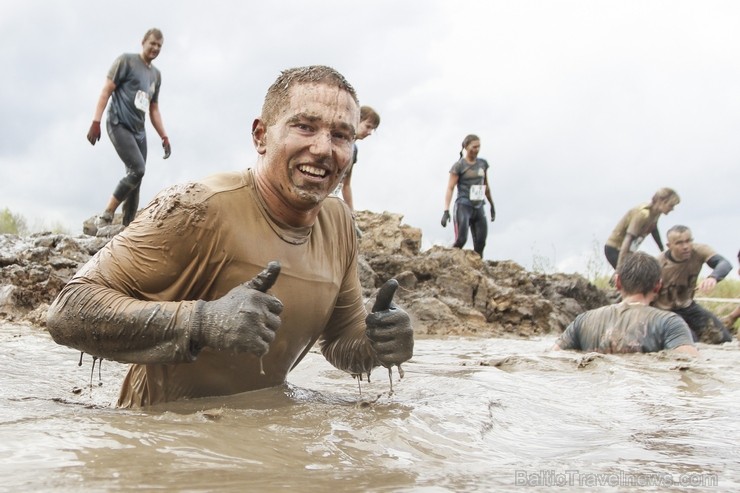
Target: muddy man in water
{"points": [[631, 326], [222, 286]]}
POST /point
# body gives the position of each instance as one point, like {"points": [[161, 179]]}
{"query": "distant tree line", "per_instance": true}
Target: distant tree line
{"points": [[11, 223]]}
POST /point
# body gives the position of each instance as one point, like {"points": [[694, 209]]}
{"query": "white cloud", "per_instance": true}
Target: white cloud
{"points": [[584, 108]]}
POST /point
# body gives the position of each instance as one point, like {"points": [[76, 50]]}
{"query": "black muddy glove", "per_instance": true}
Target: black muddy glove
{"points": [[244, 319], [389, 329], [445, 218], [166, 146]]}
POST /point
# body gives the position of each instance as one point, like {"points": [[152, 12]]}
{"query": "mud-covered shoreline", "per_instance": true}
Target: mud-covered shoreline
{"points": [[446, 291]]}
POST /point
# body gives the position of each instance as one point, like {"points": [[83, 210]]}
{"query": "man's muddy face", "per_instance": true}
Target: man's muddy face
{"points": [[151, 48], [680, 245], [310, 145]]}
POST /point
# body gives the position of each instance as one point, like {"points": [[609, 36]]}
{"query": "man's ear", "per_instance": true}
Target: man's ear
{"points": [[617, 282], [259, 134], [657, 287]]}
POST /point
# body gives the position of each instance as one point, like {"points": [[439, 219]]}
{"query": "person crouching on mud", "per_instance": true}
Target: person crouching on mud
{"points": [[183, 292]]}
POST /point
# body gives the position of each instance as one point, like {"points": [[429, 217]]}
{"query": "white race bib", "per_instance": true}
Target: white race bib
{"points": [[141, 101], [636, 244], [477, 192]]}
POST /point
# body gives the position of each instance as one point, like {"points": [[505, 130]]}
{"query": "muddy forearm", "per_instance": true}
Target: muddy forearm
{"points": [[108, 324], [353, 355]]}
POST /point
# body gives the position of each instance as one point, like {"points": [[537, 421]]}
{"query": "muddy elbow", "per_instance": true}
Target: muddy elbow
{"points": [[59, 323]]}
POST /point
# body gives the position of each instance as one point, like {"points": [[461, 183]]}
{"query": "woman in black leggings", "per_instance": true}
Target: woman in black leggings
{"points": [[470, 175]]}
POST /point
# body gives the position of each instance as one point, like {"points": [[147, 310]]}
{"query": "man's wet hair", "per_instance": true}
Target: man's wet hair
{"points": [[639, 273], [153, 32], [278, 95], [666, 194], [678, 229]]}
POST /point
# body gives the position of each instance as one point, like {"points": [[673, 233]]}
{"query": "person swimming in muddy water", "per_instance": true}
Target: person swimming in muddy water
{"points": [[632, 325], [223, 286]]}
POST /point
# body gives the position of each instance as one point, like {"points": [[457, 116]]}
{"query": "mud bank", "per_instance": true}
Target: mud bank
{"points": [[446, 291]]}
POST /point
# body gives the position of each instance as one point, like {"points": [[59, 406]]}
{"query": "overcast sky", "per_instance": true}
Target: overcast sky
{"points": [[584, 108]]}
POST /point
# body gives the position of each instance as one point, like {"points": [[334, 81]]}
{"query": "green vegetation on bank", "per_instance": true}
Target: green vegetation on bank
{"points": [[727, 289], [15, 224], [11, 223]]}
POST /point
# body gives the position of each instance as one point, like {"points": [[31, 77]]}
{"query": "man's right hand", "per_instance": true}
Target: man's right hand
{"points": [[244, 319], [445, 218], [93, 135]]}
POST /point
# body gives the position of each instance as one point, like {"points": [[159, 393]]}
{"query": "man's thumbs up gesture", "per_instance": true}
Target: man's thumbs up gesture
{"points": [[243, 320], [389, 329]]}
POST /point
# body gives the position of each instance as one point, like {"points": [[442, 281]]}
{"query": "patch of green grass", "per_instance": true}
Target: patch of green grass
{"points": [[729, 288]]}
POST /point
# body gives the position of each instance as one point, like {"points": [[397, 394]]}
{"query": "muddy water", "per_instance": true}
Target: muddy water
{"points": [[470, 415]]}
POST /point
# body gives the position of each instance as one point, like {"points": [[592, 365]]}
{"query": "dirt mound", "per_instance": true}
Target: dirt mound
{"points": [[446, 291]]}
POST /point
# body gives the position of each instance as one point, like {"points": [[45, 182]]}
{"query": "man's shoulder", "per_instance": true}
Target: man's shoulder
{"points": [[191, 202], [335, 207], [704, 252], [201, 190], [127, 57], [597, 314]]}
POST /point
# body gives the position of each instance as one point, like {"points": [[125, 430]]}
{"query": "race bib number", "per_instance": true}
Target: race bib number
{"points": [[636, 244], [477, 192], [141, 101]]}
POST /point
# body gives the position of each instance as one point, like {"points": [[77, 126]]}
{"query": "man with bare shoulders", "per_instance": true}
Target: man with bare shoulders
{"points": [[223, 286], [681, 264], [631, 326]]}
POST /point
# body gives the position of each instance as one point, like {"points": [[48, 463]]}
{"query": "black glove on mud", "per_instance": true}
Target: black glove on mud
{"points": [[445, 218], [166, 146], [389, 328], [244, 319]]}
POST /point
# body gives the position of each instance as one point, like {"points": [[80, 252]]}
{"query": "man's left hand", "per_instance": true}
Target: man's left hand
{"points": [[166, 147], [707, 284], [389, 328]]}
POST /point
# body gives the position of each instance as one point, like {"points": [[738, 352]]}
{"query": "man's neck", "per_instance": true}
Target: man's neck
{"points": [[278, 208], [144, 59], [636, 299]]}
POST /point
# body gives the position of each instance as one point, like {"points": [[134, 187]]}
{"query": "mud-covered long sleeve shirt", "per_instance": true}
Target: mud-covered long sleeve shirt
{"points": [[135, 300]]}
